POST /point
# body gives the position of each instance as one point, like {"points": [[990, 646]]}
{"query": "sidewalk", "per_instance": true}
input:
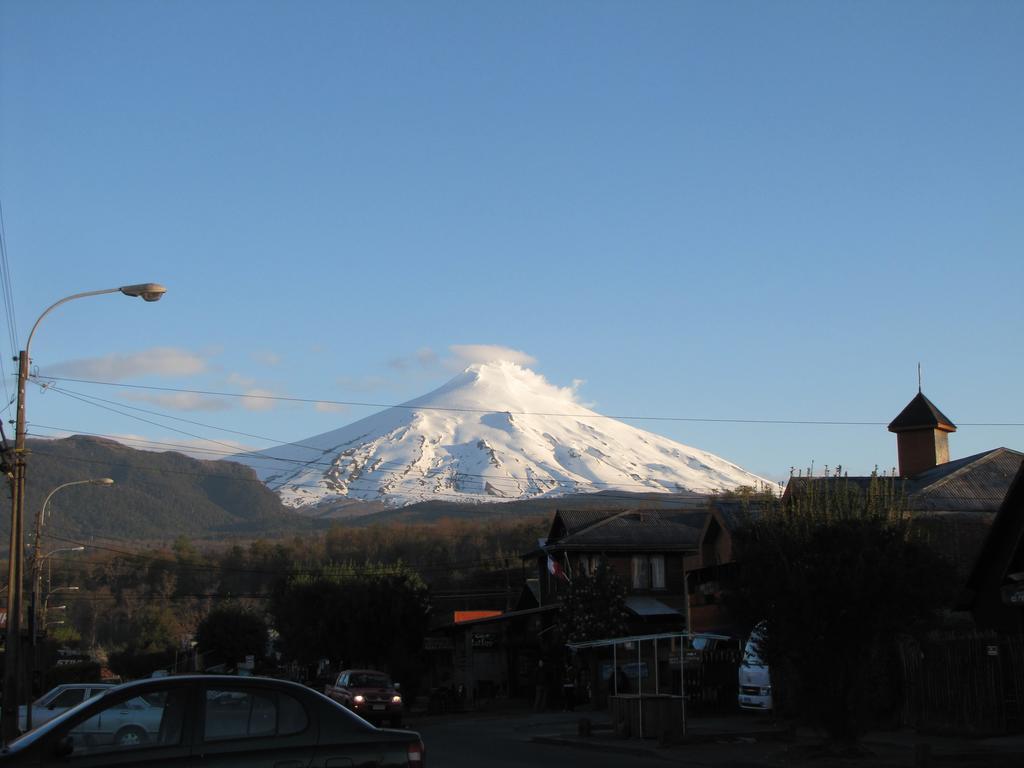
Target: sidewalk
{"points": [[743, 740], [746, 740]]}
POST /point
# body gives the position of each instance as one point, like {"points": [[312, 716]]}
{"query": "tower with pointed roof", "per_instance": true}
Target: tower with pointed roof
{"points": [[922, 436]]}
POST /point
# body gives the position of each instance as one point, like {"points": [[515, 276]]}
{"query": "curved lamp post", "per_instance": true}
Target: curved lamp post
{"points": [[49, 593], [37, 574], [13, 663]]}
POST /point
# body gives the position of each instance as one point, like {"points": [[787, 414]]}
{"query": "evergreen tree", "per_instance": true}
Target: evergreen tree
{"points": [[594, 608], [835, 573]]}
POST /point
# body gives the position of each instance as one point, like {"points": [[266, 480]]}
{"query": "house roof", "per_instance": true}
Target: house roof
{"points": [[1002, 552], [977, 483], [630, 530], [733, 514], [973, 484], [644, 606], [921, 413], [953, 505], [529, 595]]}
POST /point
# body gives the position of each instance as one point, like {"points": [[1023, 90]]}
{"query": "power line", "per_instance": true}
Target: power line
{"points": [[513, 484], [637, 499], [9, 313], [413, 483], [587, 415], [155, 558]]}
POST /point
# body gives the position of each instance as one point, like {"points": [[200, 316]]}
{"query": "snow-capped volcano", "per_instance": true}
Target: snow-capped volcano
{"points": [[495, 432]]}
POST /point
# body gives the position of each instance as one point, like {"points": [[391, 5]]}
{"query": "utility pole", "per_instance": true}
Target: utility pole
{"points": [[13, 668], [14, 663]]}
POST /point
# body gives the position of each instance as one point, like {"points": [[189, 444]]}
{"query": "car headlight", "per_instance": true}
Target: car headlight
{"points": [[358, 698], [396, 699]]}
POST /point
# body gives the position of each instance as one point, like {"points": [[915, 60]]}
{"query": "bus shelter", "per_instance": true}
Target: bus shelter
{"points": [[642, 682]]}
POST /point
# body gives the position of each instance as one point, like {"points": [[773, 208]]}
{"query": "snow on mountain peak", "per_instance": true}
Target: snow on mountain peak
{"points": [[497, 431]]}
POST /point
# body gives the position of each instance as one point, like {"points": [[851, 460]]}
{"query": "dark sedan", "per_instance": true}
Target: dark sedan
{"points": [[213, 720]]}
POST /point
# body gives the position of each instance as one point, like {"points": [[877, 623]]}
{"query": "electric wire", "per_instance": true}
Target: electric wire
{"points": [[9, 313], [155, 558], [638, 497], [587, 415]]}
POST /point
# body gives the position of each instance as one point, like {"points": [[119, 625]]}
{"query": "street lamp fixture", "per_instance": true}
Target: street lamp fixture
{"points": [[146, 291], [50, 593], [13, 661]]}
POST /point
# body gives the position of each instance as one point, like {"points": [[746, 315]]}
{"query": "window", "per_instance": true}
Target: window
{"points": [[657, 571], [68, 698], [648, 572], [234, 714], [131, 724], [641, 572]]}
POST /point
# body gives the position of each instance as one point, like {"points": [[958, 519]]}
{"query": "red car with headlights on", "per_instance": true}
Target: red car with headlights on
{"points": [[370, 694]]}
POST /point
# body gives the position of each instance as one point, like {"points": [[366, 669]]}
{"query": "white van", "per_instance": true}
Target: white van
{"points": [[754, 678]]}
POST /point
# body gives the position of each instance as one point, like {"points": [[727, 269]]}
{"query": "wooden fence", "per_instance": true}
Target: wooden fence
{"points": [[965, 683], [712, 683]]}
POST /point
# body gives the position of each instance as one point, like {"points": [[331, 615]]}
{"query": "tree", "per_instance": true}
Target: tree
{"points": [[594, 608], [836, 574], [230, 632], [153, 633], [372, 615]]}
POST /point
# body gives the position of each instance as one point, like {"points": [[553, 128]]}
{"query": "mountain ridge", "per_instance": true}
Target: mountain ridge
{"points": [[495, 432]]}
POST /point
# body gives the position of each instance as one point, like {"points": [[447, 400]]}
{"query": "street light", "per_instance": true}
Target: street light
{"points": [[37, 575], [47, 558], [37, 578], [55, 590], [15, 574]]}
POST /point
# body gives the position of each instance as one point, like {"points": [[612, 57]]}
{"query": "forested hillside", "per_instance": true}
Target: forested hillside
{"points": [[155, 496]]}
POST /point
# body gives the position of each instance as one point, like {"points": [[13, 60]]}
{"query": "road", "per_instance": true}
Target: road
{"points": [[504, 741]]}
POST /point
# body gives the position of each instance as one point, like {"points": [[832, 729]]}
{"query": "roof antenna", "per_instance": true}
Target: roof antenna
{"points": [[919, 378]]}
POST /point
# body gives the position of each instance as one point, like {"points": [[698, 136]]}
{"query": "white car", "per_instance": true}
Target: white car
{"points": [[754, 677], [58, 700], [130, 723]]}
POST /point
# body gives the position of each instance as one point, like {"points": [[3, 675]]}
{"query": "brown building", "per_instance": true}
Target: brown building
{"points": [[964, 507]]}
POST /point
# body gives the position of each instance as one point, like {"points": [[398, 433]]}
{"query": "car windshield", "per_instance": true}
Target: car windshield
{"points": [[750, 654], [364, 680]]}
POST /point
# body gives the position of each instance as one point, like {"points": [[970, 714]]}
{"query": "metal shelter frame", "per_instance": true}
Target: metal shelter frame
{"points": [[638, 639]]}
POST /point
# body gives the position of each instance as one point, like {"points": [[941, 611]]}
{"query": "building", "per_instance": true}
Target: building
{"points": [[970, 510]]}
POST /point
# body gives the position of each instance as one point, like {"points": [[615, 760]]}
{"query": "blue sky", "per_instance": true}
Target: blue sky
{"points": [[745, 210]]}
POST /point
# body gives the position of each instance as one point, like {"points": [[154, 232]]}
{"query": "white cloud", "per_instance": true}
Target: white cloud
{"points": [[266, 357], [158, 361], [330, 407], [238, 380], [259, 400], [426, 357], [180, 401], [467, 354]]}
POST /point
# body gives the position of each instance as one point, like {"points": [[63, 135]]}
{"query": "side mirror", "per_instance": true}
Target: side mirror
{"points": [[64, 747], [398, 686]]}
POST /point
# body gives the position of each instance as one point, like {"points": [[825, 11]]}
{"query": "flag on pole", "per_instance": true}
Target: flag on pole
{"points": [[555, 569]]}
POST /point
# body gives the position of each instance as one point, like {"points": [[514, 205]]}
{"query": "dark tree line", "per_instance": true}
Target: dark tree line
{"points": [[836, 573]]}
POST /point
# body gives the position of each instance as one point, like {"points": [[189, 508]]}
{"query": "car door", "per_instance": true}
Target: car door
{"points": [[90, 739], [60, 703], [253, 726]]}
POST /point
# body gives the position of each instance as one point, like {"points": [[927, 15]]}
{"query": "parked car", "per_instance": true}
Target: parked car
{"points": [[212, 720], [755, 681], [57, 701], [368, 693]]}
